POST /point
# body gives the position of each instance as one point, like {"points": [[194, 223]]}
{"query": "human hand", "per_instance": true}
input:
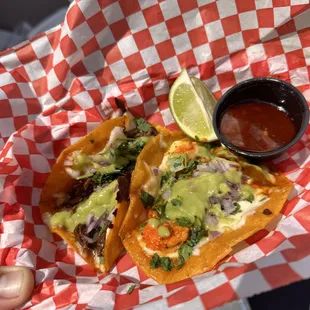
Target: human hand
{"points": [[16, 285]]}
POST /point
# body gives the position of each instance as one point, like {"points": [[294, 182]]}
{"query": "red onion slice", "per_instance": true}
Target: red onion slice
{"points": [[166, 194], [214, 234]]}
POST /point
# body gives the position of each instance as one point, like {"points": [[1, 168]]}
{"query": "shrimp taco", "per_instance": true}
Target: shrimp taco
{"points": [[191, 202], [86, 195]]}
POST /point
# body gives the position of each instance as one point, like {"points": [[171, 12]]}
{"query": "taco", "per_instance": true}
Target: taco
{"points": [[191, 202], [86, 195]]}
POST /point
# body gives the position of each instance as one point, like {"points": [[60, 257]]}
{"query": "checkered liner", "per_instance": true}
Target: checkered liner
{"points": [[60, 85]]}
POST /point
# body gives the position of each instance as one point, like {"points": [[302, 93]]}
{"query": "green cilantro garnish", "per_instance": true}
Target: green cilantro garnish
{"points": [[177, 202], [161, 209], [185, 251], [142, 226], [184, 222], [164, 262], [250, 198], [155, 261], [262, 199], [237, 210], [190, 167], [147, 199], [131, 288], [177, 162], [142, 124], [196, 234]]}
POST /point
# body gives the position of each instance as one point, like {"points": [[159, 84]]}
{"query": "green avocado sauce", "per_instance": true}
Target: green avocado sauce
{"points": [[98, 203], [195, 193]]}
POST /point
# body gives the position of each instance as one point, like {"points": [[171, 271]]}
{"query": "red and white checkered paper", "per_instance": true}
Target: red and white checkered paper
{"points": [[60, 85]]}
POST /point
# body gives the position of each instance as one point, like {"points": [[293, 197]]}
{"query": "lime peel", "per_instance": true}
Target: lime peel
{"points": [[191, 104]]}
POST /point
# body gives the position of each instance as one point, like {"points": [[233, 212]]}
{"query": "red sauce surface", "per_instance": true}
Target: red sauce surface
{"points": [[257, 126]]}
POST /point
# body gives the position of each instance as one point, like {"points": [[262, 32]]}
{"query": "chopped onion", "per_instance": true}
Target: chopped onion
{"points": [[228, 206], [98, 188], [234, 165], [95, 223], [219, 165], [196, 174], [91, 240], [73, 173], [155, 170], [111, 215], [91, 223], [211, 219], [245, 178], [116, 136], [90, 218], [68, 162], [131, 124], [214, 234], [167, 194], [205, 168], [213, 200]]}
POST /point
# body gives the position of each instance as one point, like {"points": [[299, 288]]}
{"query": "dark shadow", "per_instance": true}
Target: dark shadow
{"points": [[294, 296]]}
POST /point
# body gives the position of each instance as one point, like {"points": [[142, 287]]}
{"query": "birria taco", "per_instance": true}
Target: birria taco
{"points": [[86, 195], [190, 203]]}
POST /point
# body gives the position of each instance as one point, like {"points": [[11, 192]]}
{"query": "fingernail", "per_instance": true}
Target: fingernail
{"points": [[10, 284]]}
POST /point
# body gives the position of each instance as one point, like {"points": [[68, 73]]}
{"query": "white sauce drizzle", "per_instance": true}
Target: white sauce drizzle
{"points": [[152, 252]]}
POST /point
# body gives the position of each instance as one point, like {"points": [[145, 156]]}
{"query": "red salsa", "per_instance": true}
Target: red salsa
{"points": [[257, 126]]}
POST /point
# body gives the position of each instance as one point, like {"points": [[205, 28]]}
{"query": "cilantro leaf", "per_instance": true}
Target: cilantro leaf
{"points": [[161, 209], [210, 145], [147, 199], [177, 162], [142, 124], [164, 262], [262, 199], [237, 210], [250, 198], [164, 178], [185, 251], [184, 222], [142, 226], [191, 166], [100, 178], [131, 288], [196, 234], [155, 261], [177, 202]]}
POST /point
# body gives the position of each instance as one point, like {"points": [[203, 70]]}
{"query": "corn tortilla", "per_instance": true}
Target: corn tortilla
{"points": [[210, 253]]}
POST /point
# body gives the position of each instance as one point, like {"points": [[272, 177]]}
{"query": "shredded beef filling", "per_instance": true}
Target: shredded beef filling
{"points": [[80, 191], [136, 133], [95, 239], [123, 187]]}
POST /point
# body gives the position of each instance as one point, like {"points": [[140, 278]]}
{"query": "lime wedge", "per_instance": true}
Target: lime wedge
{"points": [[191, 104]]}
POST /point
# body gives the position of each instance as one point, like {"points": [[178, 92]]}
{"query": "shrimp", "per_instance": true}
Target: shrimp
{"points": [[178, 235]]}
